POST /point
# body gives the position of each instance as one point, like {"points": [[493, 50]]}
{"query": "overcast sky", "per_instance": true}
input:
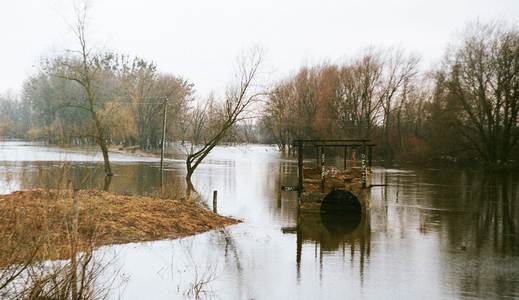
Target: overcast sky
{"points": [[199, 39]]}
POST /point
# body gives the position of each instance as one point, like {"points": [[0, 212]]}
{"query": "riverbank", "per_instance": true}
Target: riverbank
{"points": [[135, 150], [45, 220]]}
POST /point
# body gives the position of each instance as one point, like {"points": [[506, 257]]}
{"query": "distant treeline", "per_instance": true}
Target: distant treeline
{"points": [[464, 110], [129, 102], [130, 95]]}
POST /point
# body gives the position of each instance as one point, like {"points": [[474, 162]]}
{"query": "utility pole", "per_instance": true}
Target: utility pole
{"points": [[163, 134]]}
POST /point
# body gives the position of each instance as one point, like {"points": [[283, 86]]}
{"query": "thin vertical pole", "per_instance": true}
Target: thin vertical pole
{"points": [[299, 172], [364, 166], [215, 202], [345, 157], [279, 182], [363, 170], [370, 155], [323, 150], [354, 156], [299, 250], [164, 115]]}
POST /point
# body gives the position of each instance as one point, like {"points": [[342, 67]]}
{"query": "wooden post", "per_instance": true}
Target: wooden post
{"points": [[215, 202], [322, 168], [299, 172], [363, 170], [364, 166], [354, 156], [279, 181], [370, 155], [345, 157]]}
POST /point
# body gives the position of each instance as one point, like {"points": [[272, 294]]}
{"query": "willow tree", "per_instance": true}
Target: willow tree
{"points": [[146, 90], [278, 112]]}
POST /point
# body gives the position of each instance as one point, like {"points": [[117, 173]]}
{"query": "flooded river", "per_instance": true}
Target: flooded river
{"points": [[429, 234]]}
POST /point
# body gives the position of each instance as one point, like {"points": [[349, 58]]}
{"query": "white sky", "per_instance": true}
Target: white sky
{"points": [[199, 39]]}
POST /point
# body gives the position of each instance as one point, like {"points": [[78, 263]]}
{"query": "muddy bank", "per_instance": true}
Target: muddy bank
{"points": [[44, 220]]}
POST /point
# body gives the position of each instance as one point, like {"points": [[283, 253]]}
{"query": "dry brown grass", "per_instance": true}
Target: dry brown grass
{"points": [[42, 217]]}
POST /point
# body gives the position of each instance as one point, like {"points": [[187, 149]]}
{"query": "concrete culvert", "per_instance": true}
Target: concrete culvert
{"points": [[341, 201]]}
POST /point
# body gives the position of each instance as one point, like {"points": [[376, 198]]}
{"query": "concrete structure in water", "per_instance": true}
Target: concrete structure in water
{"points": [[333, 208], [327, 187]]}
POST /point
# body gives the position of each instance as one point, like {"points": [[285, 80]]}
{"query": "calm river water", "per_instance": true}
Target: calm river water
{"points": [[430, 234]]}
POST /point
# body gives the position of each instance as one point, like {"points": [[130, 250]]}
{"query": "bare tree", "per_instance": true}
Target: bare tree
{"points": [[210, 122], [484, 80], [87, 69], [399, 69], [357, 96]]}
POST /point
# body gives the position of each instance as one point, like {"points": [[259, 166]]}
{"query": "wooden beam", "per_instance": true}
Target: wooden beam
{"points": [[370, 155], [345, 157], [323, 155]]}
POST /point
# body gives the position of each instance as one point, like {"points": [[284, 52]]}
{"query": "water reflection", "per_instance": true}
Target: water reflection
{"points": [[428, 233], [331, 232], [473, 216], [494, 215], [135, 178]]}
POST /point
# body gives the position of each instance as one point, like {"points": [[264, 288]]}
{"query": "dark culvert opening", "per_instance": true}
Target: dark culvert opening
{"points": [[341, 212], [341, 201], [340, 224]]}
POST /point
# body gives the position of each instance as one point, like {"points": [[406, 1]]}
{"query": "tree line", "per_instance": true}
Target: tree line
{"points": [[464, 110]]}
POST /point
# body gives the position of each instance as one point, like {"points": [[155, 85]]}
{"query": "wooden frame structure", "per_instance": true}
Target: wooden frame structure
{"points": [[320, 146]]}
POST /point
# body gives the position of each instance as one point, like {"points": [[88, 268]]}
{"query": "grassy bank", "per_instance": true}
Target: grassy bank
{"points": [[44, 220]]}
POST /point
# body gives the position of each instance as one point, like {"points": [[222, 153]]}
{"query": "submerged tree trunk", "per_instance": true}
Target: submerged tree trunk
{"points": [[189, 184], [101, 138], [104, 149]]}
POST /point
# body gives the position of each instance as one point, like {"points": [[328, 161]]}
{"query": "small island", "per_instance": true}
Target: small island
{"points": [[45, 219]]}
